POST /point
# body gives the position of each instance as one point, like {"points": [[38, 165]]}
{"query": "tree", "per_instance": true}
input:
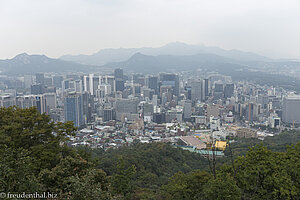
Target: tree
{"points": [[28, 130], [186, 186], [222, 188], [122, 181], [263, 174]]}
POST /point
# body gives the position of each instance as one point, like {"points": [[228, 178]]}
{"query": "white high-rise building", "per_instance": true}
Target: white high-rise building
{"points": [[291, 109]]}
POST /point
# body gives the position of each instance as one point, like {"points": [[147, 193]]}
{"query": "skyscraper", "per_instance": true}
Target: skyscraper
{"points": [[172, 80], [40, 78], [119, 85], [187, 109], [57, 81], [73, 108], [119, 73], [27, 81], [291, 109], [228, 90], [196, 90], [153, 83], [206, 91]]}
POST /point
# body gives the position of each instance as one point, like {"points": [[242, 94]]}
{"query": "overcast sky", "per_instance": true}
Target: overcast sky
{"points": [[59, 27]]}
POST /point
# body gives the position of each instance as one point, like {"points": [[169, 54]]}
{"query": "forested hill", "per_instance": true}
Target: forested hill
{"points": [[154, 162]]}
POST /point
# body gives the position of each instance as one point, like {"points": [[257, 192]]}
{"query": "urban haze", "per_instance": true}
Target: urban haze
{"points": [[149, 100]]}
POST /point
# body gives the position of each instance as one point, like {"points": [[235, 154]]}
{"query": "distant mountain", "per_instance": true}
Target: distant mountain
{"points": [[24, 63], [177, 48], [173, 63]]}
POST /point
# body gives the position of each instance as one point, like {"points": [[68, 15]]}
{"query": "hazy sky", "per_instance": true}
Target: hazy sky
{"points": [[59, 27]]}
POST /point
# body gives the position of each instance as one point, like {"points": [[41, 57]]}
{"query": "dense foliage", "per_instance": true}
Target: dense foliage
{"points": [[35, 158], [154, 162], [277, 143]]}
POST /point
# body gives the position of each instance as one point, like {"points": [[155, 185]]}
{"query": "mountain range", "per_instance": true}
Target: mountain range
{"points": [[105, 56], [24, 63], [172, 57]]}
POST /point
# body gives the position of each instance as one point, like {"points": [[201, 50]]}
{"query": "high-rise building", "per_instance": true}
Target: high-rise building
{"points": [[41, 104], [109, 114], [50, 99], [228, 90], [120, 85], [196, 90], [7, 100], [48, 81], [125, 106], [73, 108], [57, 81], [27, 81], [153, 83], [96, 83], [172, 80], [206, 86], [109, 80], [187, 109], [218, 91], [86, 83], [78, 86], [37, 89], [88, 106], [119, 73], [291, 109], [40, 78], [219, 87], [26, 101]]}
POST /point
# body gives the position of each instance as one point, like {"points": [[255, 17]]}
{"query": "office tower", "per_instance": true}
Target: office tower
{"points": [[105, 89], [147, 93], [187, 109], [218, 87], [119, 73], [27, 81], [125, 106], [218, 91], [37, 89], [65, 84], [88, 106], [252, 111], [196, 90], [26, 101], [40, 78], [159, 118], [50, 99], [86, 83], [7, 100], [48, 81], [154, 100], [57, 81], [206, 86], [109, 114], [153, 83], [96, 83], [172, 80], [228, 90], [119, 85], [78, 86], [73, 108], [291, 109], [41, 104], [148, 109], [91, 83], [109, 80]]}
